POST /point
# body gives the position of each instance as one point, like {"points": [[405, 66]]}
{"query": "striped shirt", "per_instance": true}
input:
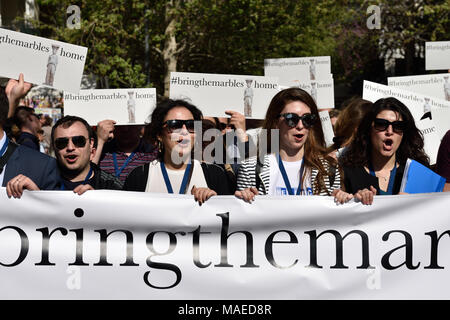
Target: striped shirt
{"points": [[138, 159], [246, 177]]}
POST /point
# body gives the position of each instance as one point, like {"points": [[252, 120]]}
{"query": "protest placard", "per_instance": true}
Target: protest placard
{"points": [[327, 127], [125, 106], [435, 85], [42, 61], [300, 69], [215, 93], [437, 55]]}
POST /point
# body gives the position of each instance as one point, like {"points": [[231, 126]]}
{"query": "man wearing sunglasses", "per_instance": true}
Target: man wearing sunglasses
{"points": [[74, 143], [21, 167]]}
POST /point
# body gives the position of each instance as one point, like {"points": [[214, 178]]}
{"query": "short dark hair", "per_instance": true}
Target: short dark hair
{"points": [[21, 115], [68, 121], [4, 106], [155, 127]]}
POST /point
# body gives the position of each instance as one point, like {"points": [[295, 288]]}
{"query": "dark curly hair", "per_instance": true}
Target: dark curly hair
{"points": [[359, 151], [155, 127]]}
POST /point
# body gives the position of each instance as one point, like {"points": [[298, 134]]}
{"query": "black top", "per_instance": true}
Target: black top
{"points": [[215, 177], [100, 180], [28, 140], [357, 178]]}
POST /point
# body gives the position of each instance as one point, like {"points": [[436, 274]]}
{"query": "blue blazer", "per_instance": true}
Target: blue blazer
{"points": [[37, 166]]}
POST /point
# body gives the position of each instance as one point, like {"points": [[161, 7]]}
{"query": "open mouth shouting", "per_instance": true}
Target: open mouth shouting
{"points": [[388, 144], [71, 158], [298, 137]]}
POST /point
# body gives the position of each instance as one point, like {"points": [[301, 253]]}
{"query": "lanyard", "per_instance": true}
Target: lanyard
{"points": [[63, 187], [118, 171], [391, 177], [186, 175], [286, 179], [5, 145]]}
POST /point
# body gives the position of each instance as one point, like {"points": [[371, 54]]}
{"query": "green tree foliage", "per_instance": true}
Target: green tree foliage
{"points": [[137, 43]]}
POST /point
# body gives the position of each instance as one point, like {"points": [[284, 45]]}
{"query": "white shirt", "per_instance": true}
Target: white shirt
{"points": [[277, 187], [156, 183], [2, 143]]}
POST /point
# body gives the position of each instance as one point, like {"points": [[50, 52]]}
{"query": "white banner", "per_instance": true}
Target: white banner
{"points": [[437, 55], [422, 109], [42, 61], [125, 106], [215, 93], [129, 245]]}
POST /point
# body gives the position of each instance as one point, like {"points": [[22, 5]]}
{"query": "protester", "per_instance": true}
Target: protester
{"points": [[235, 143], [29, 125], [443, 160], [21, 167], [334, 116], [46, 124], [121, 149], [74, 143], [301, 165], [375, 160], [175, 171], [347, 124]]}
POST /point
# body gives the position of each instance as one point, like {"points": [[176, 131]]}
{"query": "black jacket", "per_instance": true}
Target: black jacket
{"points": [[100, 180], [357, 178], [215, 177]]}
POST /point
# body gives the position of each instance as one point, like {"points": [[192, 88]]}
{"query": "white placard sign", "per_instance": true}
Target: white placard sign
{"points": [[42, 61], [435, 85], [322, 91], [125, 106], [300, 69], [136, 245], [215, 93], [437, 55], [420, 107], [327, 127]]}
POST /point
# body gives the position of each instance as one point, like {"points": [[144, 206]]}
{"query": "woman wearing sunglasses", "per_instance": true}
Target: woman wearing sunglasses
{"points": [[374, 162], [300, 166], [172, 129]]}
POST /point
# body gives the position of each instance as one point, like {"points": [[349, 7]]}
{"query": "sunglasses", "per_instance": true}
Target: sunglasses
{"points": [[292, 119], [78, 141], [222, 126], [177, 125], [383, 124]]}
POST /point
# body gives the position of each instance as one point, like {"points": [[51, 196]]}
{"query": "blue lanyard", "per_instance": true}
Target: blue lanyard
{"points": [[118, 171], [286, 179], [63, 187], [5, 146], [187, 172], [391, 177]]}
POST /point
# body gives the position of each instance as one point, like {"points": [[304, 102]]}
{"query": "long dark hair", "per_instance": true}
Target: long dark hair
{"points": [[315, 149], [359, 151], [155, 127]]}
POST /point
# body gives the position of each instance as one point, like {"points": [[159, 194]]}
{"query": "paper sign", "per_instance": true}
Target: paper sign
{"points": [[420, 107], [435, 85], [215, 93], [42, 61], [437, 55], [327, 127], [322, 91], [300, 69], [125, 106]]}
